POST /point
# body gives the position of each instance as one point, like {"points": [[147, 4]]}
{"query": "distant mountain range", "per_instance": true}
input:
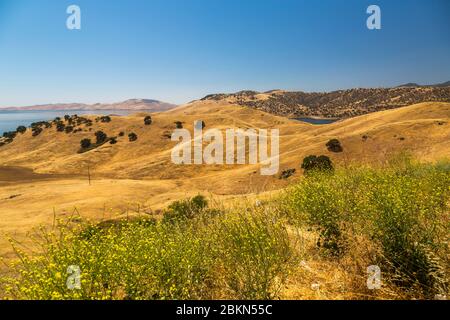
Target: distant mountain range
{"points": [[336, 104], [438, 85], [132, 104]]}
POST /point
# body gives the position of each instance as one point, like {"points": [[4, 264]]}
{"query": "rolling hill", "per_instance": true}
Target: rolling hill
{"points": [[44, 177]]}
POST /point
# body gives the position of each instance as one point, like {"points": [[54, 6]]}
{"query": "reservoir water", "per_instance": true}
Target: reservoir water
{"points": [[316, 120], [10, 120]]}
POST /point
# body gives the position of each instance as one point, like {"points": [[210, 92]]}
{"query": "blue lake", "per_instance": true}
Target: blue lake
{"points": [[10, 120], [316, 121]]}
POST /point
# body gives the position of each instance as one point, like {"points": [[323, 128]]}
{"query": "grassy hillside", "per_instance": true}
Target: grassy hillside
{"points": [[314, 241], [45, 176]]}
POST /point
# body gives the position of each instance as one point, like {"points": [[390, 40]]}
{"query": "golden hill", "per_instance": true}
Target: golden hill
{"points": [[422, 129], [45, 175]]}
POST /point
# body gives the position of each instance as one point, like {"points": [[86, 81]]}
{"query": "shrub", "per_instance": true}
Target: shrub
{"points": [[45, 124], [9, 134], [148, 120], [21, 129], [85, 143], [178, 124], [36, 131], [256, 255], [68, 129], [60, 127], [237, 256], [314, 163], [66, 117], [180, 211], [132, 137], [113, 140], [400, 209], [334, 145], [100, 137], [104, 119], [287, 173], [121, 134]]}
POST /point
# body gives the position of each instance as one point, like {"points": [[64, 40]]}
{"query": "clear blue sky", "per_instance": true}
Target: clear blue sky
{"points": [[179, 50]]}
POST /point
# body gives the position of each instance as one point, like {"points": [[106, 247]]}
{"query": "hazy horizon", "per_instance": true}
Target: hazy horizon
{"points": [[198, 98]]}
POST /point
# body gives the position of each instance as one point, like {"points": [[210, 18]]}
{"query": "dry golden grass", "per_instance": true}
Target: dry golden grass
{"points": [[43, 176]]}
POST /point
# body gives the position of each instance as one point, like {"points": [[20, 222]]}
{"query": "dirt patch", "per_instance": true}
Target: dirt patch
{"points": [[21, 174]]}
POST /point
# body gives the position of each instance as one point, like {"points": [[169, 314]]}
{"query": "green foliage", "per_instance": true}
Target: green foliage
{"points": [[183, 210], [148, 120], [104, 119], [402, 209], [21, 129], [41, 124], [132, 137], [334, 145], [9, 135], [68, 129], [287, 173], [178, 124], [85, 143], [255, 250], [234, 256], [100, 137], [321, 163], [36, 131], [60, 127]]}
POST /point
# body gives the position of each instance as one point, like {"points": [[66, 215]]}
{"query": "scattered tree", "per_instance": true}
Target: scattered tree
{"points": [[21, 129], [148, 120], [179, 124], [9, 134], [314, 163], [104, 119], [85, 143], [132, 137], [36, 131], [100, 137], [60, 127], [334, 145]]}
